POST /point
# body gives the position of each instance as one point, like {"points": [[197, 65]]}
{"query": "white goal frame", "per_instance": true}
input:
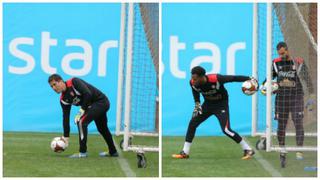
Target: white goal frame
{"points": [[127, 133], [268, 131]]}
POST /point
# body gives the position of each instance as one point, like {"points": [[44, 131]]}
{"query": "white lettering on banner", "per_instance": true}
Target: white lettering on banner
{"points": [[231, 56], [13, 49], [86, 56], [103, 54], [47, 42], [175, 46], [214, 58]]}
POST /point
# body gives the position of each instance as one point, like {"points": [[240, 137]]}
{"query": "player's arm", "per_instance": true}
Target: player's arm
{"points": [[195, 93], [306, 77], [85, 92], [231, 78], [66, 119], [274, 75], [196, 96]]}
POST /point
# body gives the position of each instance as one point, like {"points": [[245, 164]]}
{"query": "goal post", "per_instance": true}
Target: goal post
{"points": [[137, 102], [295, 24]]}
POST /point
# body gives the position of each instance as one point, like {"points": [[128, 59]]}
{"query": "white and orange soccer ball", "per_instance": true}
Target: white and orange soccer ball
{"points": [[58, 144], [250, 87]]}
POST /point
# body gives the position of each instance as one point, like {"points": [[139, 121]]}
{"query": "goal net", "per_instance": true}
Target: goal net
{"points": [[293, 111], [137, 106]]}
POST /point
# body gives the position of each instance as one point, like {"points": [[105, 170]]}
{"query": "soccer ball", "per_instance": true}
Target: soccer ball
{"points": [[274, 87], [249, 87], [58, 144]]}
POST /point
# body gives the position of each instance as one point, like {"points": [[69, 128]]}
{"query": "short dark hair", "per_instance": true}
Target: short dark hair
{"points": [[54, 77], [282, 45], [198, 70]]}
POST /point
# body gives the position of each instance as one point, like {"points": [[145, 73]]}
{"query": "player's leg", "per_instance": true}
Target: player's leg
{"points": [[297, 113], [282, 118], [102, 126], [83, 123], [94, 111], [281, 115], [192, 127], [195, 122], [222, 113]]}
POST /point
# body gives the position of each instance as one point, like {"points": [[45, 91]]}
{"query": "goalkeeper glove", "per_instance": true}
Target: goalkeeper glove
{"points": [[274, 88], [311, 102], [78, 116], [197, 110], [263, 89]]}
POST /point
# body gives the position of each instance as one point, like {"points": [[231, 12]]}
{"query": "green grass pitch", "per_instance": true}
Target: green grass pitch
{"points": [[221, 157], [29, 155]]}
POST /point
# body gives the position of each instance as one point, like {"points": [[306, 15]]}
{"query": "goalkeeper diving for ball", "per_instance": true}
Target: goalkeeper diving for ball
{"points": [[93, 107], [215, 96]]}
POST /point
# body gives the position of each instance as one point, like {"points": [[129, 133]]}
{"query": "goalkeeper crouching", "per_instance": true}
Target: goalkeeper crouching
{"points": [[215, 96], [93, 107]]}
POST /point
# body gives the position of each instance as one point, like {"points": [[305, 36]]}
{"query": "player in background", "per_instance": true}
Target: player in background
{"points": [[290, 96], [211, 86], [93, 107]]}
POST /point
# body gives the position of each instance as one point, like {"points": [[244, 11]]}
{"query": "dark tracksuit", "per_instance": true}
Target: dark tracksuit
{"points": [[95, 105], [289, 97], [215, 103]]}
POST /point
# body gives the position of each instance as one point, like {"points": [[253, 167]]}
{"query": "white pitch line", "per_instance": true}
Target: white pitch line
{"points": [[124, 164], [264, 163]]}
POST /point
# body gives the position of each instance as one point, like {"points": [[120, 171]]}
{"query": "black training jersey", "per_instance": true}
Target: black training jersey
{"points": [[78, 93], [213, 90], [287, 73]]}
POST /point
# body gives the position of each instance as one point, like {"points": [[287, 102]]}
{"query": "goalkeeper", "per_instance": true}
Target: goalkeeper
{"points": [[93, 107], [215, 96], [290, 96]]}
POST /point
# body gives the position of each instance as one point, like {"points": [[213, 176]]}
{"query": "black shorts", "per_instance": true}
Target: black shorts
{"points": [[288, 103]]}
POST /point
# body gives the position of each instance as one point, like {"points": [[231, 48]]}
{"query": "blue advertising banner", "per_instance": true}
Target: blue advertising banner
{"points": [[217, 36], [71, 39]]}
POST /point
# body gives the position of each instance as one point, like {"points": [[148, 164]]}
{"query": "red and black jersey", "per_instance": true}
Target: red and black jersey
{"points": [[287, 73], [213, 90], [78, 93]]}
